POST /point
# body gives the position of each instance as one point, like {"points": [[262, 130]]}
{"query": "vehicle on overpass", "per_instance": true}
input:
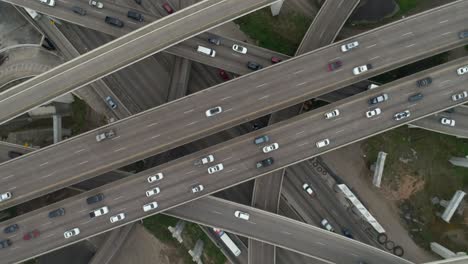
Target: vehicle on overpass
{"points": [[111, 102], [334, 65], [261, 139], [135, 15], [5, 196], [401, 115], [116, 218], [48, 2], [11, 228], [114, 21], [95, 198], [323, 143], [373, 112], [239, 49], [254, 66], [78, 10], [463, 34], [270, 148], [150, 206], [213, 111], [57, 212], [105, 135], [332, 114], [360, 69], [197, 188], [157, 177], [349, 46], [378, 99], [99, 212], [459, 96], [73, 232], [204, 160], [227, 241], [308, 189], [462, 70], [215, 168], [96, 4], [447, 122], [326, 225], [265, 163], [242, 215], [424, 82], [5, 243], [153, 191], [31, 234]]}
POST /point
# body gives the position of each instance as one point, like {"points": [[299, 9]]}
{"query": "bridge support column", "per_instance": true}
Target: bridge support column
{"points": [[378, 168], [177, 230], [276, 8], [57, 120], [197, 251]]}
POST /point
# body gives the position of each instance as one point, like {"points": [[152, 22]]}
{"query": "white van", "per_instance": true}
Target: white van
{"points": [[206, 51]]}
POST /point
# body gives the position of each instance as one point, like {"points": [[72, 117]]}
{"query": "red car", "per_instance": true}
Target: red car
{"points": [[32, 234], [168, 8], [275, 60], [334, 65], [224, 75]]}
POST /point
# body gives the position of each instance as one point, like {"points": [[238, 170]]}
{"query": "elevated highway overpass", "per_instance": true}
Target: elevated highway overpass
{"points": [[242, 99], [239, 157]]}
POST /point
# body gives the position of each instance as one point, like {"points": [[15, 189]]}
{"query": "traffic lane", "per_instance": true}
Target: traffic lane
{"points": [[261, 252], [284, 256], [301, 91], [294, 235], [211, 11], [433, 123], [264, 200]]}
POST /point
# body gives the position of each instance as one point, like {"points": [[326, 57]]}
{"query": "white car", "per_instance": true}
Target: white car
{"points": [[459, 96], [118, 217], [96, 4], [323, 143], [240, 49], [348, 46], [105, 135], [5, 196], [308, 189], [204, 160], [158, 176], [150, 206], [197, 188], [401, 115], [153, 191], [447, 121], [48, 2], [332, 114], [462, 70], [215, 168], [242, 215], [73, 232], [373, 112], [360, 69], [98, 212], [327, 225], [270, 148], [213, 111]]}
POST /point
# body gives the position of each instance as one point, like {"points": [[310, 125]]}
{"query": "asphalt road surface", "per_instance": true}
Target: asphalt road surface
{"points": [[247, 97], [239, 157], [225, 58], [122, 52]]}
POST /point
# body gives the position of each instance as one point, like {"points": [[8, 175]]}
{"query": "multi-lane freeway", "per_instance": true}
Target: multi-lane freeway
{"points": [[240, 155], [122, 52], [245, 98], [225, 58]]}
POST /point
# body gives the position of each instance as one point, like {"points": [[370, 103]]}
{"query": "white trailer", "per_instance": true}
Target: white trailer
{"points": [[228, 242]]}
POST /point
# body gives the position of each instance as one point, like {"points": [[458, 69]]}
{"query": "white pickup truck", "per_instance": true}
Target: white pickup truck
{"points": [[105, 135]]}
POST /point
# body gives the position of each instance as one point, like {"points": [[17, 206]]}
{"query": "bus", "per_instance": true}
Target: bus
{"points": [[227, 241]]}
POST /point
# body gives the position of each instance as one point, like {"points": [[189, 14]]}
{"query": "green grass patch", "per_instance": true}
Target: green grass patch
{"points": [[408, 5], [282, 33], [158, 226], [424, 155], [79, 113]]}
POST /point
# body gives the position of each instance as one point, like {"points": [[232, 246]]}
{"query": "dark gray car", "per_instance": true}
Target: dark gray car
{"points": [[11, 228], [261, 140], [96, 198], [463, 34], [5, 243], [56, 213], [135, 15], [78, 10], [114, 21], [265, 163], [415, 97], [254, 66], [424, 82]]}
